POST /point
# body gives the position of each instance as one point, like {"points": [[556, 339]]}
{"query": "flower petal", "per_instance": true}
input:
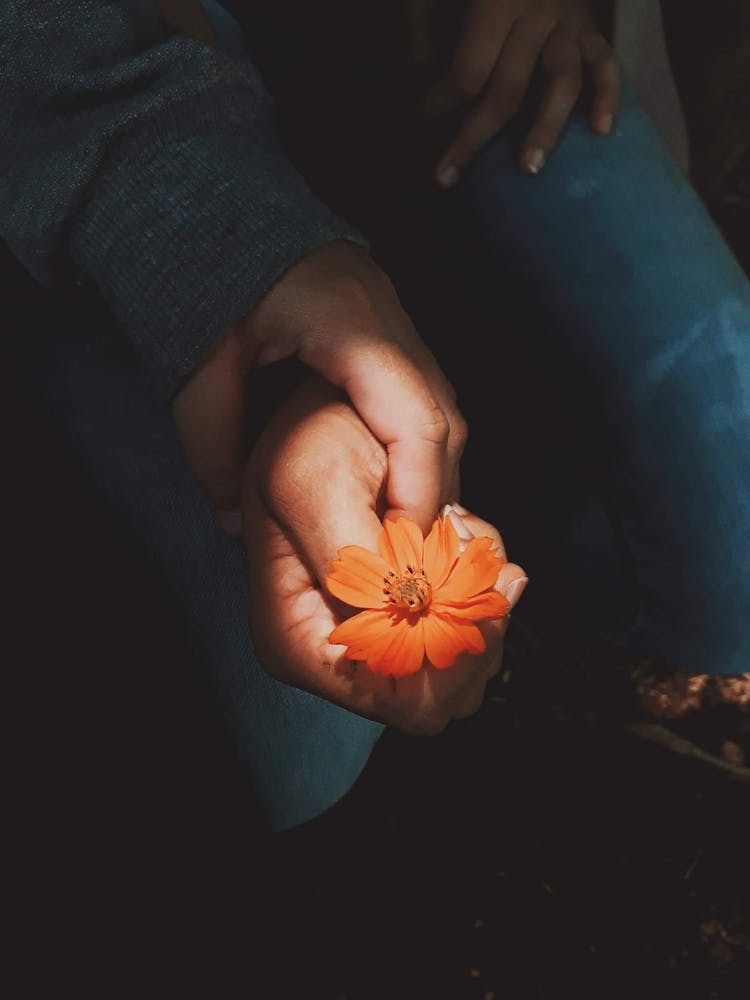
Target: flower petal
{"points": [[441, 549], [405, 655], [490, 604], [361, 633], [391, 643], [475, 570], [445, 638], [357, 576], [401, 544]]}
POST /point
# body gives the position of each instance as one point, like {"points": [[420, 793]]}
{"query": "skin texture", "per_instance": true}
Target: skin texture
{"points": [[376, 434], [501, 47], [315, 482], [339, 314]]}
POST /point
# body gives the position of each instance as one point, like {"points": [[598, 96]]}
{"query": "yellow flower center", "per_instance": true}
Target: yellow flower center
{"points": [[411, 591]]}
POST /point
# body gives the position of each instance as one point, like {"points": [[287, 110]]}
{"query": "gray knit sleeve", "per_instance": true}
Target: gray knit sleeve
{"points": [[147, 166]]}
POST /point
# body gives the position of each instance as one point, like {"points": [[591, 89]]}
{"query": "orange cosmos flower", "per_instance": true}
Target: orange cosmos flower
{"points": [[422, 597]]}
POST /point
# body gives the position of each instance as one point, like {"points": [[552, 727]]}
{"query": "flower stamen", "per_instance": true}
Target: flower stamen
{"points": [[411, 591]]}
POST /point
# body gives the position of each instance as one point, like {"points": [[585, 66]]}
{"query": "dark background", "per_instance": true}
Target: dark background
{"points": [[541, 849]]}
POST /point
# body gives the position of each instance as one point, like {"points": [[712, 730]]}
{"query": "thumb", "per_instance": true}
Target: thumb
{"points": [[319, 472], [208, 412]]}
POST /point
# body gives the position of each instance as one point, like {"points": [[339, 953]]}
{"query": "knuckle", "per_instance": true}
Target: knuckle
{"points": [[459, 434], [376, 459], [468, 81], [568, 85], [506, 101], [510, 77], [436, 427]]}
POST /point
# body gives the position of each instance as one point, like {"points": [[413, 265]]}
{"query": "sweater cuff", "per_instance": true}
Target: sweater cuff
{"points": [[190, 222]]}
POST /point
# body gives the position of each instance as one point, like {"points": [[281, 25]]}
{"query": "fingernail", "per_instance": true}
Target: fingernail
{"points": [[535, 160], [461, 529], [447, 176], [230, 521], [605, 123], [458, 508], [514, 591]]}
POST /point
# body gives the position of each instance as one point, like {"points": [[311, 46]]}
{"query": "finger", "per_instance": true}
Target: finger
{"points": [[511, 582], [445, 695], [320, 472], [454, 487], [562, 64], [501, 101], [605, 71], [289, 622], [465, 520], [484, 33], [512, 579], [208, 413], [459, 691], [457, 438], [346, 323], [458, 431], [394, 399], [290, 619]]}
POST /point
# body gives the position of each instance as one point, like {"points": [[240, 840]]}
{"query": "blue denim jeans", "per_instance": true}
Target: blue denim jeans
{"points": [[628, 283]]}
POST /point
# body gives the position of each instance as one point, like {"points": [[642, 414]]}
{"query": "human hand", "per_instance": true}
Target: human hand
{"points": [[339, 314], [316, 482], [501, 45]]}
